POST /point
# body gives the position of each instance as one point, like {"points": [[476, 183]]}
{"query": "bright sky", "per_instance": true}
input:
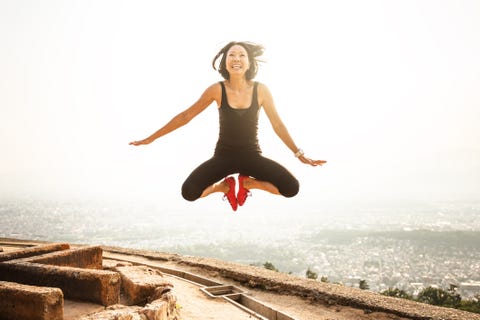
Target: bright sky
{"points": [[388, 92]]}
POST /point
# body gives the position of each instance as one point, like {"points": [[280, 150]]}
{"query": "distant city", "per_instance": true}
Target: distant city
{"points": [[409, 247]]}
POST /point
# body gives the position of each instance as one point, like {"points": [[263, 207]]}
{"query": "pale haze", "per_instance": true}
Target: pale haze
{"points": [[388, 92]]}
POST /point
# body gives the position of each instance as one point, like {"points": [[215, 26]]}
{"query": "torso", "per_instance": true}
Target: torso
{"points": [[238, 123], [237, 99]]}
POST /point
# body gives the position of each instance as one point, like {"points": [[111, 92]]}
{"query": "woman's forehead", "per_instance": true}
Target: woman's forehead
{"points": [[237, 48]]}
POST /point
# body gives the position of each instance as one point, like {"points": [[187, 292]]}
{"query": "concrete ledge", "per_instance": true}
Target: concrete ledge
{"points": [[84, 257], [18, 301], [33, 251], [326, 293], [84, 284], [256, 308]]}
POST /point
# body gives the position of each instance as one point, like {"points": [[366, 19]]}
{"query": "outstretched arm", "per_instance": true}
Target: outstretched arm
{"points": [[182, 118], [280, 129]]}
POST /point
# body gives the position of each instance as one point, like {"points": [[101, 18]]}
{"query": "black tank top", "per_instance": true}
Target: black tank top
{"points": [[238, 127]]}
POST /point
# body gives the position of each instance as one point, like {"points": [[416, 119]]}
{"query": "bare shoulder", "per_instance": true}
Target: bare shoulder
{"points": [[262, 87], [264, 95], [214, 92], [214, 88]]}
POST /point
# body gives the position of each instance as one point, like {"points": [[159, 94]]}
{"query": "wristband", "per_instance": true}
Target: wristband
{"points": [[299, 153]]}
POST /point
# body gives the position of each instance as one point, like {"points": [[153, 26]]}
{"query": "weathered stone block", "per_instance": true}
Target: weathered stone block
{"points": [[140, 282], [98, 286], [19, 301], [112, 264], [115, 312], [84, 257], [157, 310], [163, 306], [33, 251]]}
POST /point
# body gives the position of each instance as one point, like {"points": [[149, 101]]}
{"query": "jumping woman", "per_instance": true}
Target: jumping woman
{"points": [[239, 100]]}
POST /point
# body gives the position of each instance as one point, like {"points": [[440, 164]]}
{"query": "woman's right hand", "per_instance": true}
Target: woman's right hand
{"points": [[311, 162]]}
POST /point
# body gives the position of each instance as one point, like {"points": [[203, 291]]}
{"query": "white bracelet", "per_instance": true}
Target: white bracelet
{"points": [[299, 153]]}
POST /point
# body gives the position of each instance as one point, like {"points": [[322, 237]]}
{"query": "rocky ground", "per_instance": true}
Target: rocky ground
{"points": [[294, 296]]}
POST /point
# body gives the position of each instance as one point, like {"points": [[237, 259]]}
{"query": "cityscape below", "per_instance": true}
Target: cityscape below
{"points": [[409, 246]]}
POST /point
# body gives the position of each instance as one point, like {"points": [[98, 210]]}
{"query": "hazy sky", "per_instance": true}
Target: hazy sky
{"points": [[388, 92]]}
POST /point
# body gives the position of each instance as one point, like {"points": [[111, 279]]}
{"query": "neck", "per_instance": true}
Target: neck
{"points": [[238, 82]]}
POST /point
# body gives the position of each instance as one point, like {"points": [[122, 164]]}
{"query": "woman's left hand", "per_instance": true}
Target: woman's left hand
{"points": [[311, 162], [140, 142]]}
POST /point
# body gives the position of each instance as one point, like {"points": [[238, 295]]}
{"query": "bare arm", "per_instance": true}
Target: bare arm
{"points": [[183, 117], [266, 100]]}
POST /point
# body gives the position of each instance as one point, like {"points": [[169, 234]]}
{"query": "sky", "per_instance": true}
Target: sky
{"points": [[386, 91]]}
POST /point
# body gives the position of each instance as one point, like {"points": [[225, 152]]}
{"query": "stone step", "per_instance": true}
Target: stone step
{"points": [[98, 286], [33, 251], [84, 257], [19, 301], [140, 282]]}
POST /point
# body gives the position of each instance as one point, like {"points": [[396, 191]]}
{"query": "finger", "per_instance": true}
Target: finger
{"points": [[308, 161], [316, 162]]}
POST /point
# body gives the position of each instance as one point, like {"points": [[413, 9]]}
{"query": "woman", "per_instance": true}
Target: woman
{"points": [[239, 100]]}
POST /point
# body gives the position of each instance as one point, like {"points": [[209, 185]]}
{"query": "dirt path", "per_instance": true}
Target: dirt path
{"points": [[194, 304], [197, 306]]}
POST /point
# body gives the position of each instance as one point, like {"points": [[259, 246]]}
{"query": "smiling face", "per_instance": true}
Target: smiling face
{"points": [[237, 62], [238, 58]]}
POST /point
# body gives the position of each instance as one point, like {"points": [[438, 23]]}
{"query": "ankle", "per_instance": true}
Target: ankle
{"points": [[244, 181], [249, 183], [224, 187]]}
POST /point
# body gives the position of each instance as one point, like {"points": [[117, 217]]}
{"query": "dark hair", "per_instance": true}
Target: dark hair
{"points": [[253, 51]]}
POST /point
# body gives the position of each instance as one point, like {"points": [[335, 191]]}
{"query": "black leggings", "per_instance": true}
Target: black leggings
{"points": [[248, 164]]}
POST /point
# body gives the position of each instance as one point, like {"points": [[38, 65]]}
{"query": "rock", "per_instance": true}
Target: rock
{"points": [[112, 264], [99, 286], [19, 301], [160, 293], [162, 308], [33, 251], [139, 283], [115, 312]]}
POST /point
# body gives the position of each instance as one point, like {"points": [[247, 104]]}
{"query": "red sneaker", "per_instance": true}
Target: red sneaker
{"points": [[243, 193], [231, 193]]}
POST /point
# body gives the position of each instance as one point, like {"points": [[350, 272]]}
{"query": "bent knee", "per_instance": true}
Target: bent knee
{"points": [[291, 190], [190, 193]]}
